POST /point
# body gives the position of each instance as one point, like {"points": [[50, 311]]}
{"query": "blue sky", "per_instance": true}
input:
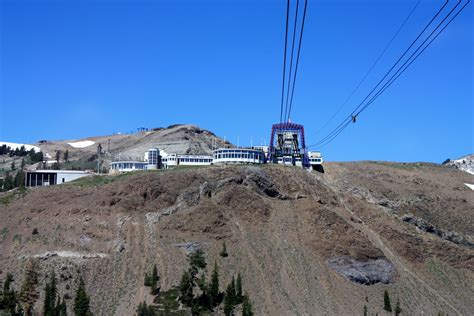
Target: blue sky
{"points": [[72, 69]]}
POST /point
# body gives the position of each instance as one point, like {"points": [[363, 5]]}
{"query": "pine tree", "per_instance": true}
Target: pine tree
{"points": [[154, 280], [9, 299], [238, 290], [144, 310], [61, 308], [246, 306], [223, 252], [51, 292], [229, 299], [28, 294], [19, 180], [58, 156], [186, 289], [12, 166], [214, 286], [386, 302], [66, 156], [196, 261], [8, 183], [81, 301], [22, 166], [398, 310]]}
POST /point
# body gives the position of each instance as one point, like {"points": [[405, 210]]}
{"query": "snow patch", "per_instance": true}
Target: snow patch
{"points": [[82, 144], [465, 164], [70, 254], [470, 186], [18, 145]]}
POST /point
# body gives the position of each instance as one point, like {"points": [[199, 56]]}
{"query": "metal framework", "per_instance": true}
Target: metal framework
{"points": [[298, 145]]}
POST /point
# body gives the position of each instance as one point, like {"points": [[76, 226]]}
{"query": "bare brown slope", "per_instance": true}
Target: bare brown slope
{"points": [[283, 227], [180, 139]]}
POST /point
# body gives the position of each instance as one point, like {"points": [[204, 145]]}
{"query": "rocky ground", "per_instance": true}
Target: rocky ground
{"points": [[179, 138], [306, 243]]}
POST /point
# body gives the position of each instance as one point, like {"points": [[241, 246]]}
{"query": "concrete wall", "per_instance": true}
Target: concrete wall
{"points": [[67, 177]]}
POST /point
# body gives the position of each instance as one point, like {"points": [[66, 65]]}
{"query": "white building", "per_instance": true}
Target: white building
{"points": [[52, 177], [126, 166], [238, 156]]}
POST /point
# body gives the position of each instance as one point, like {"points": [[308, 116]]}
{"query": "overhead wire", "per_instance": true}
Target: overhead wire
{"points": [[284, 61], [297, 60], [385, 76], [370, 69], [408, 63], [397, 74], [291, 60]]}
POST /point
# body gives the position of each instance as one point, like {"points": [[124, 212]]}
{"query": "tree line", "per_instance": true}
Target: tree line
{"points": [[196, 293], [22, 152], [20, 303]]}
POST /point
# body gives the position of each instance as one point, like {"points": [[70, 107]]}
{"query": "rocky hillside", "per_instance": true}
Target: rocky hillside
{"points": [[465, 163], [180, 139], [305, 243]]}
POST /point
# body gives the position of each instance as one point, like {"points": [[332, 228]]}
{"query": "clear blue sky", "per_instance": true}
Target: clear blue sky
{"points": [[72, 69]]}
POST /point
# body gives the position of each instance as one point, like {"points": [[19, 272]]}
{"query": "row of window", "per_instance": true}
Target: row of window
{"points": [[252, 156], [196, 160], [128, 165]]}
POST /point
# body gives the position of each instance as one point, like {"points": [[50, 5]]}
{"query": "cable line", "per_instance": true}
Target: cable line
{"points": [[370, 69], [291, 59], [297, 59], [400, 71], [352, 116], [284, 61]]}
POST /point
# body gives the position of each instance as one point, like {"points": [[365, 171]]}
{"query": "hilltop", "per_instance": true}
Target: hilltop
{"points": [[82, 153], [465, 163], [305, 243]]}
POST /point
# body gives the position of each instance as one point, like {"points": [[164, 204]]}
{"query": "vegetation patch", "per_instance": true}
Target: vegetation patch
{"points": [[98, 180]]}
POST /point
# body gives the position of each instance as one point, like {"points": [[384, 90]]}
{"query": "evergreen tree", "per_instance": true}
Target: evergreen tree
{"points": [[147, 281], [12, 166], [386, 302], [223, 252], [398, 310], [144, 310], [246, 306], [66, 156], [229, 299], [9, 300], [238, 290], [197, 261], [81, 301], [22, 166], [186, 289], [58, 156], [28, 294], [19, 180], [61, 308], [51, 292], [8, 183], [214, 286], [154, 280]]}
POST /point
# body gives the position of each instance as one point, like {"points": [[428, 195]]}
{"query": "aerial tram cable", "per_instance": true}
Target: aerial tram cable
{"points": [[291, 62], [297, 59], [407, 64], [370, 69], [353, 115], [401, 57], [386, 74], [284, 62], [399, 72]]}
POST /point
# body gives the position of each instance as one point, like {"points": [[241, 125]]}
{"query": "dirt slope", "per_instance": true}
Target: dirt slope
{"points": [[305, 243], [180, 139]]}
